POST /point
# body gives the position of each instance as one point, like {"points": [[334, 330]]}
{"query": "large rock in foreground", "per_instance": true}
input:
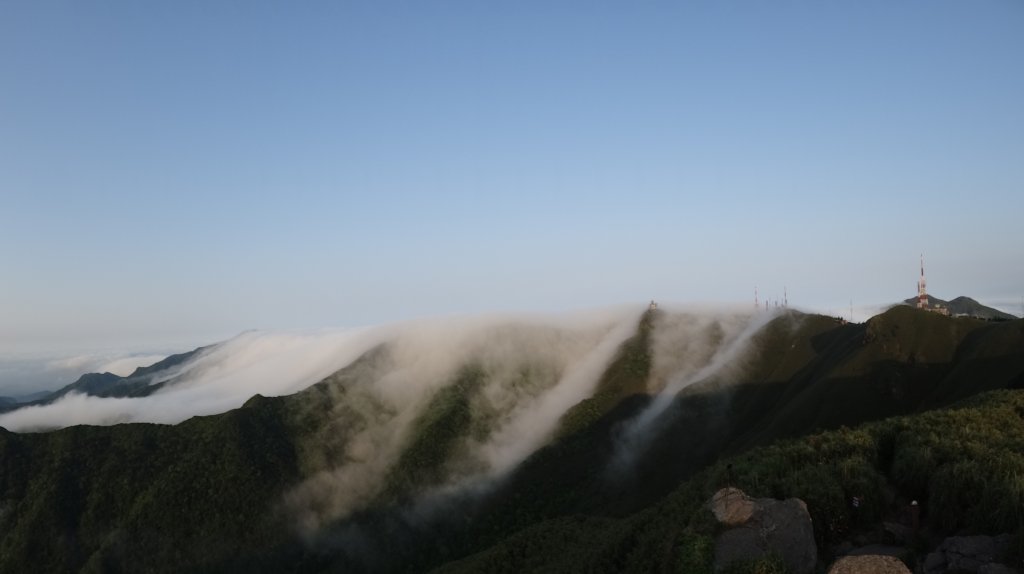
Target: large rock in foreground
{"points": [[979, 554], [869, 564], [762, 527]]}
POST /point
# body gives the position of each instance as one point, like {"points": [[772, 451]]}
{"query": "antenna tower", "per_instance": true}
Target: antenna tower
{"points": [[922, 294]]}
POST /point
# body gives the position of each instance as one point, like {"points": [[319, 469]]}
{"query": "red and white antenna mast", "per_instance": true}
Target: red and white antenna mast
{"points": [[922, 294]]}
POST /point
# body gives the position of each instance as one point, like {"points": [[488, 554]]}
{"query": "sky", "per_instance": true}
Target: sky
{"points": [[172, 174]]}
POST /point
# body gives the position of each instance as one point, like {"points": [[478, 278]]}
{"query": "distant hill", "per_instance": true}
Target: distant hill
{"points": [[143, 381], [965, 306], [13, 402]]}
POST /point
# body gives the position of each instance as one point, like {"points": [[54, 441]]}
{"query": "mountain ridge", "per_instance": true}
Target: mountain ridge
{"points": [[964, 306], [139, 383], [217, 493]]}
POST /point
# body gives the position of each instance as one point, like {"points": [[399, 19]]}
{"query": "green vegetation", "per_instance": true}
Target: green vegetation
{"points": [[923, 457], [626, 376], [436, 435], [102, 498], [807, 419]]}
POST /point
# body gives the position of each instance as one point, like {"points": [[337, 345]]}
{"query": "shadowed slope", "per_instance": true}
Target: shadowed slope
{"points": [[963, 465]]}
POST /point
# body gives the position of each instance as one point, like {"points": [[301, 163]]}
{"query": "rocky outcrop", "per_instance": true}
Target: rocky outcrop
{"points": [[868, 564], [981, 554], [732, 507], [762, 527]]}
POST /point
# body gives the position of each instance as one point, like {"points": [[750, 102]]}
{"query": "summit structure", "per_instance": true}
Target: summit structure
{"points": [[923, 299], [959, 307], [922, 291]]}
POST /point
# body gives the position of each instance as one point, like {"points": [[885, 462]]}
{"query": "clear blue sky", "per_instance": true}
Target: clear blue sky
{"points": [[193, 169]]}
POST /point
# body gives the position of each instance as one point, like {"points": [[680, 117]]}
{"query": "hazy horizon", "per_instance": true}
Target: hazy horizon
{"points": [[28, 370]]}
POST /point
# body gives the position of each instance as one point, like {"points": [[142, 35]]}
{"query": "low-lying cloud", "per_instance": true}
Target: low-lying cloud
{"points": [[531, 370], [223, 377], [219, 379]]}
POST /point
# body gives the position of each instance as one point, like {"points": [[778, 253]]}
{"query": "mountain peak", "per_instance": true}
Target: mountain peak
{"points": [[964, 306]]}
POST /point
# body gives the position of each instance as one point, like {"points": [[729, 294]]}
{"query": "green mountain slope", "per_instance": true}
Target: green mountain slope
{"points": [[374, 484], [963, 464], [99, 499], [822, 363]]}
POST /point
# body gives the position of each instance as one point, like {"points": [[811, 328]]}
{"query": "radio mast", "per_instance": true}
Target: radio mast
{"points": [[922, 295]]}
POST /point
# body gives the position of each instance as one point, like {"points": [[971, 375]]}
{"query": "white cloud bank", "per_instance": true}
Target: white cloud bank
{"points": [[220, 379], [278, 363], [534, 368]]}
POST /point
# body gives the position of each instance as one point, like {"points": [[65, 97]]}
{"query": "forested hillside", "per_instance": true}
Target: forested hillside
{"points": [[353, 475]]}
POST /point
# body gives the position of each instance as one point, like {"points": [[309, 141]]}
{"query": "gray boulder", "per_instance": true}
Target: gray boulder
{"points": [[868, 564], [979, 554], [762, 527]]}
